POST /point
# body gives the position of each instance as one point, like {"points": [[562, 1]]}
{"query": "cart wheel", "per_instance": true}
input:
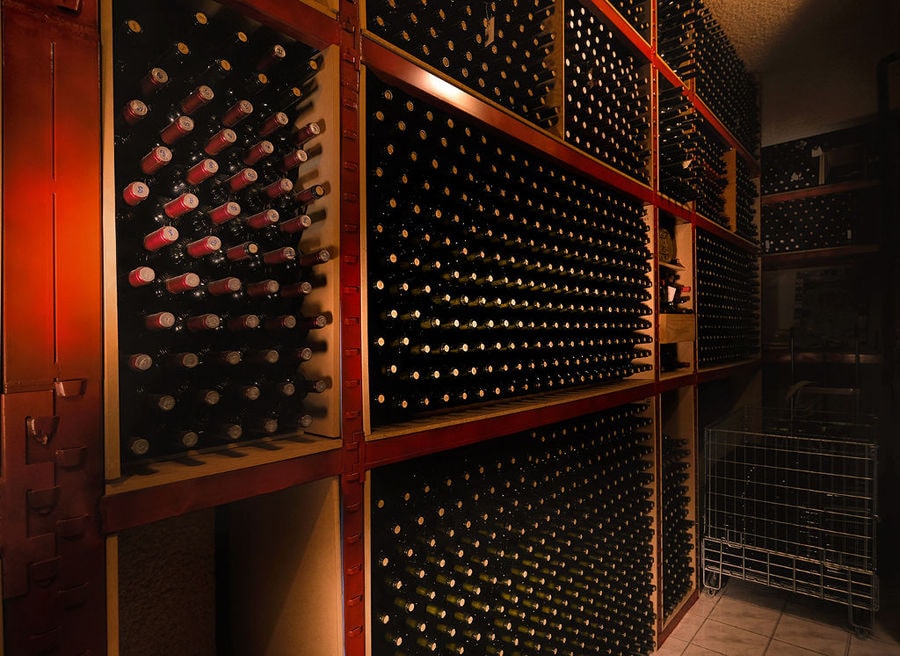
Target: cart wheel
{"points": [[712, 581]]}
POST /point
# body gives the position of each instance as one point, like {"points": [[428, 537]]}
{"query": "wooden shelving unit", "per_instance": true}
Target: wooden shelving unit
{"points": [[290, 510]]}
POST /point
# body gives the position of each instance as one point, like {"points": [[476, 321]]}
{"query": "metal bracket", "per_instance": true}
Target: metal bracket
{"points": [[42, 429]]}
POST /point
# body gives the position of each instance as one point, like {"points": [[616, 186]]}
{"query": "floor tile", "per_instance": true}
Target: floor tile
{"points": [[760, 594], [671, 647], [688, 626], [872, 647], [778, 648], [730, 640], [746, 615], [818, 610], [820, 638], [697, 650], [705, 604]]}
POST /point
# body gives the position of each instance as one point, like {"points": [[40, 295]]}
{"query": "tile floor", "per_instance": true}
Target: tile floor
{"points": [[745, 619]]}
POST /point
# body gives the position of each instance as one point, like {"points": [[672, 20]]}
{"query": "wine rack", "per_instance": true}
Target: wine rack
{"points": [[225, 231], [490, 274], [507, 56], [727, 301], [551, 240], [746, 201], [677, 325], [537, 542], [607, 93], [821, 221]]}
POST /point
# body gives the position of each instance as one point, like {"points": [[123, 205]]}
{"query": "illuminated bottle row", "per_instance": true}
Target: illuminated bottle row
{"points": [[491, 274], [827, 221], [676, 524], [607, 94], [215, 128], [746, 201], [691, 164], [501, 53], [727, 302], [540, 542], [637, 13]]}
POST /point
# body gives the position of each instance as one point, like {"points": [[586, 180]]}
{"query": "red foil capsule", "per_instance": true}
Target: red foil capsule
{"points": [[316, 257], [257, 152], [199, 97], [263, 219], [201, 171], [275, 122], [140, 362], [308, 195], [280, 255], [155, 79], [184, 282], [134, 111], [159, 238], [155, 160], [242, 251], [203, 322], [243, 322], [306, 133], [283, 322], [278, 188], [224, 212], [297, 224], [237, 113], [224, 286], [316, 322], [242, 179], [177, 130], [274, 55], [135, 193], [220, 141], [204, 246], [262, 288], [141, 276], [159, 321], [294, 159], [178, 206], [297, 289]]}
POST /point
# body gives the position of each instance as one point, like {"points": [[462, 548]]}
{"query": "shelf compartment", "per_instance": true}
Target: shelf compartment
{"points": [[127, 413], [260, 576]]}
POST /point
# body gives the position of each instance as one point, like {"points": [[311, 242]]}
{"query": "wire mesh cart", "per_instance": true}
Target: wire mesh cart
{"points": [[791, 503]]}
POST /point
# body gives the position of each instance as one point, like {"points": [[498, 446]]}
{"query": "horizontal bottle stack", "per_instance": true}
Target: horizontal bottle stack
{"points": [[505, 55], [827, 221], [535, 543], [727, 302], [637, 13], [788, 166], [746, 202], [212, 273], [677, 35], [607, 95], [676, 527], [490, 273], [691, 164], [723, 81]]}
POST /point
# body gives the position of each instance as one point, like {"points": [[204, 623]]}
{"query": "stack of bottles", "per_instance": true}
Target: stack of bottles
{"points": [[727, 302], [723, 81], [677, 35], [746, 203], [789, 166], [691, 163], [607, 94], [212, 273], [677, 527], [491, 274], [827, 221], [637, 13], [540, 542], [504, 55]]}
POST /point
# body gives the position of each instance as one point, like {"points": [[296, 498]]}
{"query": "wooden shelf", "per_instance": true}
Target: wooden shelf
{"points": [[820, 190], [816, 257], [179, 487]]}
